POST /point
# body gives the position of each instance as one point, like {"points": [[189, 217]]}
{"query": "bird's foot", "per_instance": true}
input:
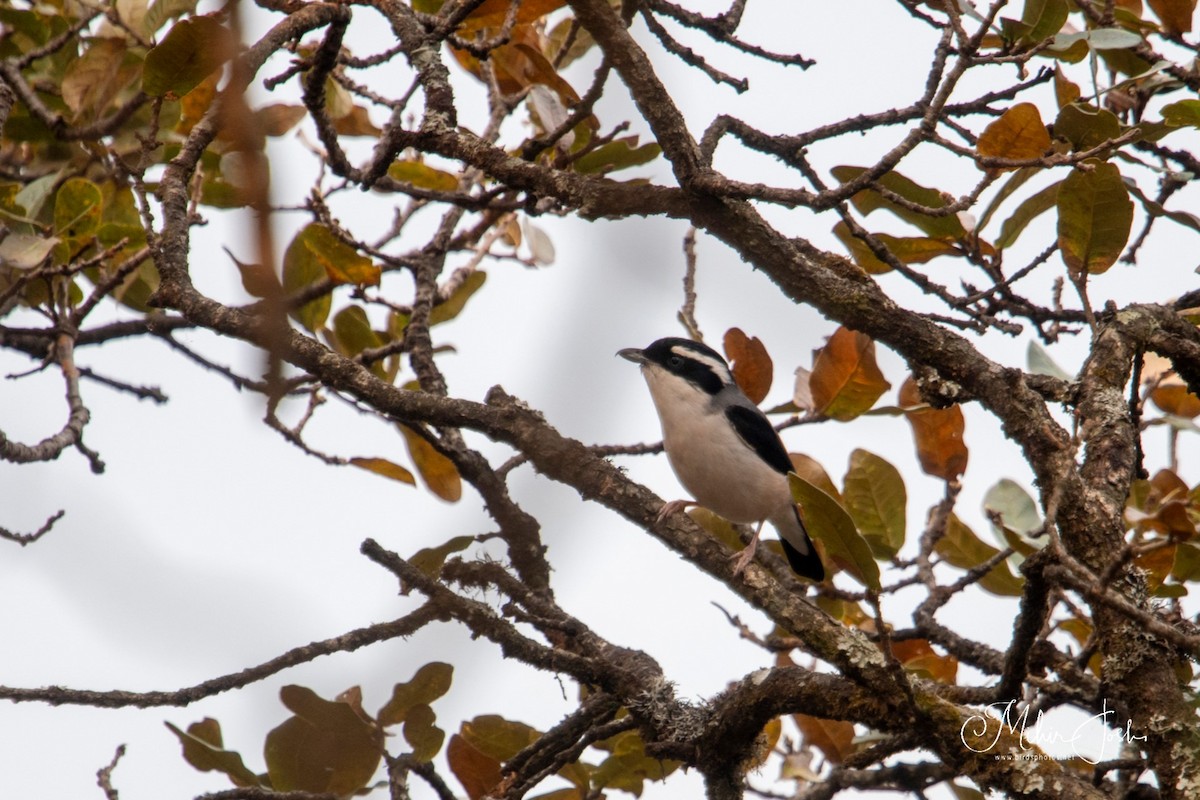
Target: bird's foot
{"points": [[670, 508], [743, 557]]}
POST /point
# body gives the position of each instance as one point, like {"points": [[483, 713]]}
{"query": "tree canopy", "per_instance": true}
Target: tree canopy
{"points": [[383, 158]]}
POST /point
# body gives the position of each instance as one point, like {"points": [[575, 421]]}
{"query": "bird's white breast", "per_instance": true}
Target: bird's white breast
{"points": [[713, 463]]}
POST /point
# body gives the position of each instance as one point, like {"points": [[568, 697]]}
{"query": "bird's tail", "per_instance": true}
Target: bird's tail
{"points": [[798, 548]]}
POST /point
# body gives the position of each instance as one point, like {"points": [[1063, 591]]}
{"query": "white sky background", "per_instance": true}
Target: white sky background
{"points": [[210, 544]]}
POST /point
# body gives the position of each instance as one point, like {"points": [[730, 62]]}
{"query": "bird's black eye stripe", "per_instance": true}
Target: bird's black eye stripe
{"points": [[696, 362]]}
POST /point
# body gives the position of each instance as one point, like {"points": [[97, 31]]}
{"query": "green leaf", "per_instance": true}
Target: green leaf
{"points": [[341, 262], [1045, 18], [430, 559], [1040, 363], [352, 333], [423, 176], [429, 683], [328, 746], [828, 522], [1017, 513], [628, 766], [1029, 209], [868, 200], [875, 496], [1086, 126], [189, 53], [453, 305], [961, 548], [906, 249], [721, 528], [78, 206], [1182, 112], [1095, 215], [203, 749], [617, 154]]}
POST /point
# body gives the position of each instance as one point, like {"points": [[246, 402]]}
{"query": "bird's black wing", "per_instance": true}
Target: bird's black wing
{"points": [[755, 429]]}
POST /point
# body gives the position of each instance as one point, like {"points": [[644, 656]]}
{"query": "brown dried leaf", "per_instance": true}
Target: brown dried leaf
{"points": [[938, 433], [750, 363]]}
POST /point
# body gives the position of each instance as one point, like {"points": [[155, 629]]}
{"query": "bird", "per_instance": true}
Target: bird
{"points": [[723, 448]]}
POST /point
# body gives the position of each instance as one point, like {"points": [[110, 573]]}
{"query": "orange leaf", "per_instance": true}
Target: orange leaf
{"points": [[1018, 133], [1176, 15], [916, 655], [381, 466], [492, 13], [845, 379], [1174, 398], [477, 772], [834, 738], [438, 472], [938, 433], [750, 363]]}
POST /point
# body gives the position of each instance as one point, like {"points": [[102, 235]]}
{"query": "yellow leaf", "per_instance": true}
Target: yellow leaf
{"points": [[381, 466], [438, 472]]}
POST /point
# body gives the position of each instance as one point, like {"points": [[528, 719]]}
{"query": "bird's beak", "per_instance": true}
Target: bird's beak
{"points": [[632, 354]]}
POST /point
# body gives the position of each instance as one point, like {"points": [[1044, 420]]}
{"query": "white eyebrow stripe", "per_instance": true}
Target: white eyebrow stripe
{"points": [[715, 364]]}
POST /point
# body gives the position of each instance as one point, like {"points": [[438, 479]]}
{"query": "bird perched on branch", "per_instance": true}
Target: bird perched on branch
{"points": [[723, 448]]}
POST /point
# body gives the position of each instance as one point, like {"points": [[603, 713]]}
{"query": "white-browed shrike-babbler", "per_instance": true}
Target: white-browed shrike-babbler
{"points": [[723, 448]]}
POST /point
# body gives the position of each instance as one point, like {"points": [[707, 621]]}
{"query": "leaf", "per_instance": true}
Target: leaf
{"points": [[877, 501], [918, 656], [23, 251], [204, 749], [423, 176], [1098, 39], [1065, 91], [78, 205], [381, 466], [327, 746], [90, 82], [811, 470], [1017, 513], [1044, 18], [1187, 563], [1182, 112], [1086, 126], [1095, 215], [868, 200], [430, 682], [1176, 15], [492, 13], [1039, 362], [961, 548], [477, 772], [453, 305], [1174, 398], [1029, 209], [845, 379], [498, 737], [423, 736], [906, 249], [277, 119], [257, 280], [1018, 133], [302, 268], [191, 50], [438, 472], [629, 767], [750, 363], [722, 529], [342, 263], [541, 248], [618, 154], [430, 559], [938, 433], [828, 523], [833, 737]]}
